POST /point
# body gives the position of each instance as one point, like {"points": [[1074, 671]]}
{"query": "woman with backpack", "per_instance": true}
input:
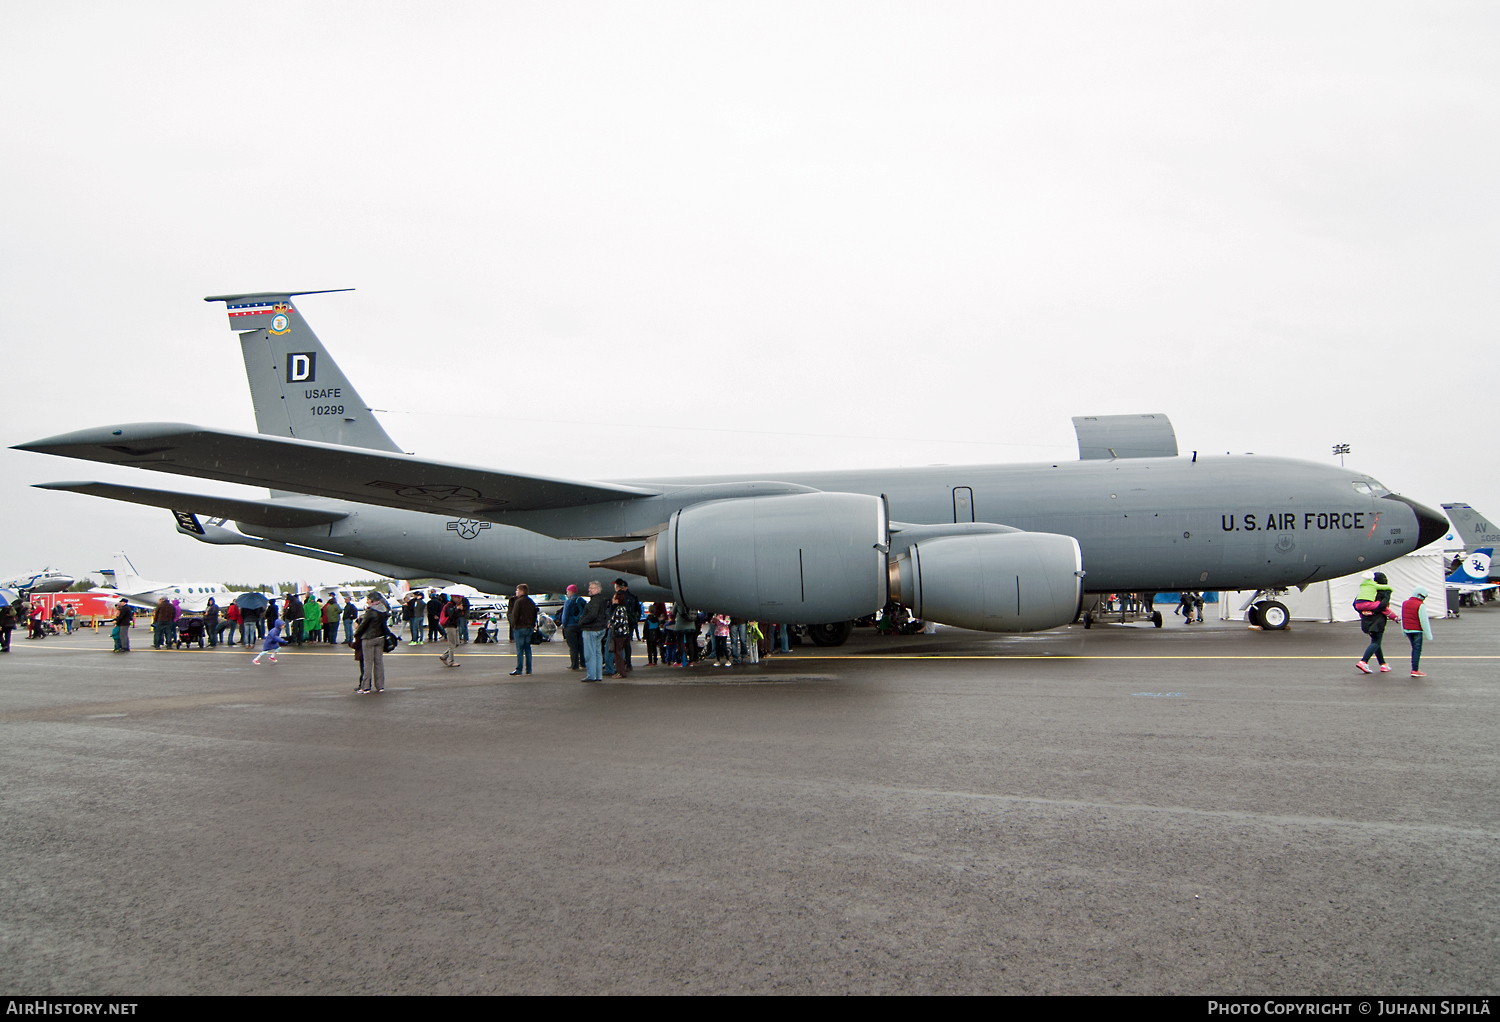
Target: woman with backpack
{"points": [[448, 619], [370, 633]]}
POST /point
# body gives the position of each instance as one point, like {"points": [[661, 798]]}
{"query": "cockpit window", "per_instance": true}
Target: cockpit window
{"points": [[1370, 489]]}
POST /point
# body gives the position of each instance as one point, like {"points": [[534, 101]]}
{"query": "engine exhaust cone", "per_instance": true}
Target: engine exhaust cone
{"points": [[640, 561]]}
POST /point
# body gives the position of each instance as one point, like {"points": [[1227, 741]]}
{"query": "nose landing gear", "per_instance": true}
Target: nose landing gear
{"points": [[1268, 615]]}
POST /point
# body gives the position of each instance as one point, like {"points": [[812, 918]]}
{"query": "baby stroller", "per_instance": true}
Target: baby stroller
{"points": [[545, 628], [190, 630]]}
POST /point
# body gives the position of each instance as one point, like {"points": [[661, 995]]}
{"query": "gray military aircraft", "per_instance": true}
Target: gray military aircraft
{"points": [[994, 547], [1476, 531]]}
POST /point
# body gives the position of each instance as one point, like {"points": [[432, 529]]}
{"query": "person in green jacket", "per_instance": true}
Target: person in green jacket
{"points": [[312, 619]]}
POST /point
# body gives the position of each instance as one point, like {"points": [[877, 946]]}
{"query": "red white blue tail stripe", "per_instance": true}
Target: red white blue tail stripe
{"points": [[256, 307]]}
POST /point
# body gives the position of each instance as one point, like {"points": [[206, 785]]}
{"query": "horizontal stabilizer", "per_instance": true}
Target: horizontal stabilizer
{"points": [[274, 514], [1105, 437], [328, 470]]}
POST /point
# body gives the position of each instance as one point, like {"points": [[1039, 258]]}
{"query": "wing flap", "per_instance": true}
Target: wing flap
{"points": [[327, 470], [274, 514]]}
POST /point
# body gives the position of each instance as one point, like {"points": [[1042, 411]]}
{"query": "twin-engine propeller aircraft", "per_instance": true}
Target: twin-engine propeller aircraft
{"points": [[1002, 548], [142, 594]]}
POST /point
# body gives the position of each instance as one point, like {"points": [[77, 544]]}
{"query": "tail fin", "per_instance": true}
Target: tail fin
{"points": [[1474, 569], [297, 388], [127, 579], [1472, 527]]}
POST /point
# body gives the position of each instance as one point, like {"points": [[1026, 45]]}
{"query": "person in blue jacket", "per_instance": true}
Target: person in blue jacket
{"points": [[567, 620], [272, 643]]}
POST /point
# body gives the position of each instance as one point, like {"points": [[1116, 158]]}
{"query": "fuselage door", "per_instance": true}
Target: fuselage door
{"points": [[963, 504]]}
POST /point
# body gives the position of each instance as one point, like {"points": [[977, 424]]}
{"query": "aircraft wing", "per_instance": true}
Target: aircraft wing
{"points": [[116, 596], [274, 514], [327, 470]]}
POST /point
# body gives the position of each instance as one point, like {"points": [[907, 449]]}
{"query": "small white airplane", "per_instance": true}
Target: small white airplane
{"points": [[144, 594], [48, 580]]}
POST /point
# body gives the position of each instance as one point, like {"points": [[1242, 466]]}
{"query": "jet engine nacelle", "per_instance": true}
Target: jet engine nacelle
{"points": [[804, 558], [1000, 582]]}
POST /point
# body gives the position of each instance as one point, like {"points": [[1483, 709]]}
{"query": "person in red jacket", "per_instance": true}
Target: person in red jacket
{"points": [[1417, 626]]}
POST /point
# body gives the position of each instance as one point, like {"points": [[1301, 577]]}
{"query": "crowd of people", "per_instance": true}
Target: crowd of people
{"points": [[301, 621], [601, 631], [39, 621]]}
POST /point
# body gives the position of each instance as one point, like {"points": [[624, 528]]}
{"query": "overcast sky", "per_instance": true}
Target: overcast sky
{"points": [[621, 239]]}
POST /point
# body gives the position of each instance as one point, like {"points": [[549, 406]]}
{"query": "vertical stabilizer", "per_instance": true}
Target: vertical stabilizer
{"points": [[1472, 527], [1473, 570], [297, 388], [127, 579]]}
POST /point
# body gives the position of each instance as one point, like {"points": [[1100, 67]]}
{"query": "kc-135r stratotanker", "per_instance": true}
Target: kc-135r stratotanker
{"points": [[993, 547]]}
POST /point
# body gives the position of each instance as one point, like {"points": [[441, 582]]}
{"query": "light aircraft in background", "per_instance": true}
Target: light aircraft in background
{"points": [[1002, 548], [48, 580], [126, 582]]}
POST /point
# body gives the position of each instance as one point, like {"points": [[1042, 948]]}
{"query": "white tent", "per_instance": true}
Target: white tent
{"points": [[1334, 600]]}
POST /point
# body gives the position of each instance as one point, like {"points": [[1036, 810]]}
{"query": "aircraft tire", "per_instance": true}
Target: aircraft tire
{"points": [[835, 634], [1252, 616], [1088, 619], [1156, 618], [1273, 616]]}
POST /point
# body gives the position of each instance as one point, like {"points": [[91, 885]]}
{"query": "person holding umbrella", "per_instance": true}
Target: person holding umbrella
{"points": [[250, 605]]}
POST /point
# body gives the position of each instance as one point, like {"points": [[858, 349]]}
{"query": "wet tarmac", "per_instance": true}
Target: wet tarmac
{"points": [[1198, 809]]}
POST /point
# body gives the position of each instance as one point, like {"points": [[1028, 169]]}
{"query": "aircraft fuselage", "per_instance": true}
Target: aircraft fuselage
{"points": [[1144, 524]]}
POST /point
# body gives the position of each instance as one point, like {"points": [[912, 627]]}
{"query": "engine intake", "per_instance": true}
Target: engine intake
{"points": [[1006, 582]]}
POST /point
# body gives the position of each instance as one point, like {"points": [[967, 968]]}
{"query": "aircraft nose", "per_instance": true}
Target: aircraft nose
{"points": [[1431, 525]]}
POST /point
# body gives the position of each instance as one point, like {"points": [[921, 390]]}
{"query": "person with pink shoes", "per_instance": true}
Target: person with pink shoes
{"points": [[272, 643], [1417, 626]]}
